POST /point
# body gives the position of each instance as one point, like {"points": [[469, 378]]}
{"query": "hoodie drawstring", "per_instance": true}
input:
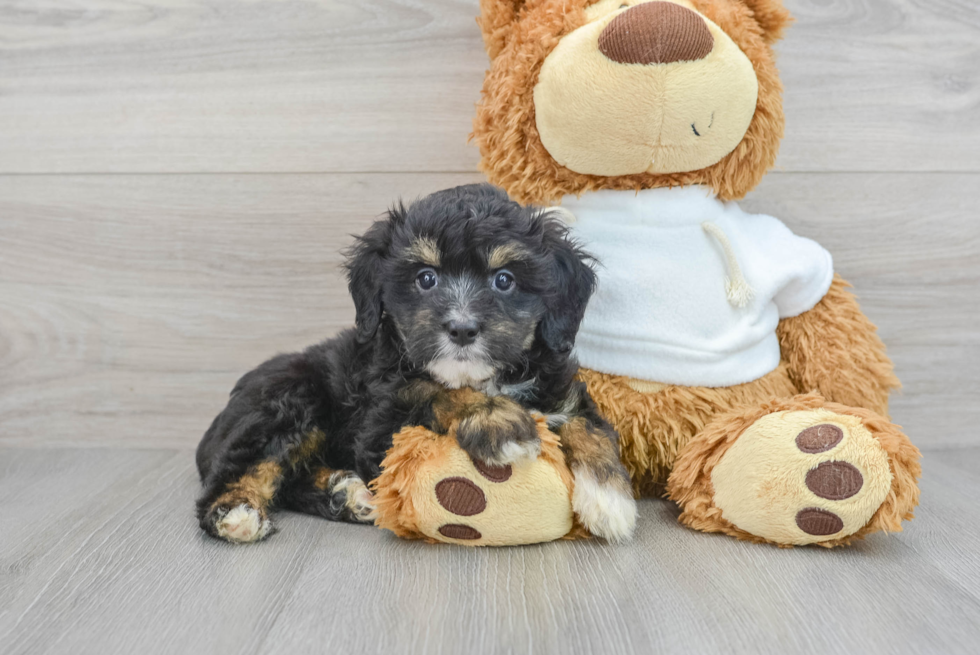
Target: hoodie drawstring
{"points": [[737, 290]]}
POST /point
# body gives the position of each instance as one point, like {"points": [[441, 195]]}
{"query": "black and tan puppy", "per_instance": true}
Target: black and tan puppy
{"points": [[467, 308]]}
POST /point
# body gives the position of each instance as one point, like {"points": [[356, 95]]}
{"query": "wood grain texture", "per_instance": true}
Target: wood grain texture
{"points": [[389, 85], [266, 85], [99, 552], [129, 306]]}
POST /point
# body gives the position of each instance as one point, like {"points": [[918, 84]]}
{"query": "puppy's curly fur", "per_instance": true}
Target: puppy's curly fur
{"points": [[467, 309]]}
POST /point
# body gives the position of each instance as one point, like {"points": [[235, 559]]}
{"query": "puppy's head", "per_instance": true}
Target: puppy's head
{"points": [[472, 281]]}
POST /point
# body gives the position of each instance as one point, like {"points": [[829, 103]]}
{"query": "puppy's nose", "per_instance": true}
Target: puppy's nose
{"points": [[656, 33], [462, 333]]}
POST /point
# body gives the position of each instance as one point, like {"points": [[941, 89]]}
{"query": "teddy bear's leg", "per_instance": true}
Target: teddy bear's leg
{"points": [[797, 471], [835, 349], [657, 422], [332, 494]]}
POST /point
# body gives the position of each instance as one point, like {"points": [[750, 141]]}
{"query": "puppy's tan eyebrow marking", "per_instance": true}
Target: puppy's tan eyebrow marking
{"points": [[506, 253], [425, 250]]}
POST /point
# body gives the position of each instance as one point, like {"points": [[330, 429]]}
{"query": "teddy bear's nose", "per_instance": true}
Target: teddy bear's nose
{"points": [[656, 33]]}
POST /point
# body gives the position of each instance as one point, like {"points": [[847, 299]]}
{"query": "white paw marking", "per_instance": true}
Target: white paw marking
{"points": [[513, 452], [243, 524], [360, 500], [603, 509]]}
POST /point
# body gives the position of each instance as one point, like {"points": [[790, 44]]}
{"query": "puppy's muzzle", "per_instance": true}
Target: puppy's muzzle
{"points": [[462, 333]]}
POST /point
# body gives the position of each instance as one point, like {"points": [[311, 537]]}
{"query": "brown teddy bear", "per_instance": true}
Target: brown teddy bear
{"points": [[742, 376]]}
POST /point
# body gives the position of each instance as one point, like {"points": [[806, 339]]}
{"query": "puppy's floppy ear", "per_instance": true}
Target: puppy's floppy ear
{"points": [[573, 284], [364, 272]]}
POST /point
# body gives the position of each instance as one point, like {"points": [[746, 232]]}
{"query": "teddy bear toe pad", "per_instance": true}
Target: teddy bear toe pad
{"points": [[801, 477], [460, 496], [459, 500]]}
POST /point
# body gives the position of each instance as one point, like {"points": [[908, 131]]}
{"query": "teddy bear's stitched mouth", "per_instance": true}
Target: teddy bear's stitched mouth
{"points": [[710, 123]]}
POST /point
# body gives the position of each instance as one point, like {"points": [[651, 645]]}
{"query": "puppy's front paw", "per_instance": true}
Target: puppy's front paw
{"points": [[499, 434], [357, 499], [241, 524], [607, 509]]}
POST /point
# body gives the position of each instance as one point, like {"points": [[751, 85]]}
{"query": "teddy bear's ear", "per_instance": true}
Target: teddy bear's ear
{"points": [[496, 20], [772, 16]]}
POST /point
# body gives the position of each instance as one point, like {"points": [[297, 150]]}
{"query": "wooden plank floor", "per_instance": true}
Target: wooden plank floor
{"points": [[99, 552], [177, 178]]}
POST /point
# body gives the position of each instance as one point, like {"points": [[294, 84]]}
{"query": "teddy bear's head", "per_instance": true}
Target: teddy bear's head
{"points": [[629, 94]]}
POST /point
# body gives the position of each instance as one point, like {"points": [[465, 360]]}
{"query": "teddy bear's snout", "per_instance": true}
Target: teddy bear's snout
{"points": [[656, 33]]}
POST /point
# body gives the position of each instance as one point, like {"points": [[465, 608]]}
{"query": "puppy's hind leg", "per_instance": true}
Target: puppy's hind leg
{"points": [[333, 494], [236, 507], [241, 513]]}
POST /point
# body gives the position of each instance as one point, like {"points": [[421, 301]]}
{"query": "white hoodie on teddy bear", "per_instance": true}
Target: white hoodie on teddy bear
{"points": [[690, 288]]}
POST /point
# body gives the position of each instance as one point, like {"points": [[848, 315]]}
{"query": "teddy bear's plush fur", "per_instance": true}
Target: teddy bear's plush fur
{"points": [[681, 440], [520, 35]]}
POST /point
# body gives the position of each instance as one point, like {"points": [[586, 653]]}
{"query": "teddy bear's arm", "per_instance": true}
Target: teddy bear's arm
{"points": [[834, 349]]}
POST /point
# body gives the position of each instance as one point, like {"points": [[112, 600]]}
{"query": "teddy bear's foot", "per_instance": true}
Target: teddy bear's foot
{"points": [[606, 509], [802, 477], [797, 471], [240, 524], [431, 488]]}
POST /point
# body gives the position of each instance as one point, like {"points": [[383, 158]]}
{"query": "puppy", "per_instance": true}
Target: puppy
{"points": [[467, 306]]}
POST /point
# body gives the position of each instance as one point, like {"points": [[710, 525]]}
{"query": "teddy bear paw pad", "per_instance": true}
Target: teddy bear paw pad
{"points": [[801, 477], [460, 531], [460, 496], [494, 473]]}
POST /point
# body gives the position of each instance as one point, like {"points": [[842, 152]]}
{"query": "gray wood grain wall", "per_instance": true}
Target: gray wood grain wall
{"points": [[177, 178]]}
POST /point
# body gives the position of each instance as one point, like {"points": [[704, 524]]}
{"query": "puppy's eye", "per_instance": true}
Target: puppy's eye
{"points": [[426, 279], [503, 281]]}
